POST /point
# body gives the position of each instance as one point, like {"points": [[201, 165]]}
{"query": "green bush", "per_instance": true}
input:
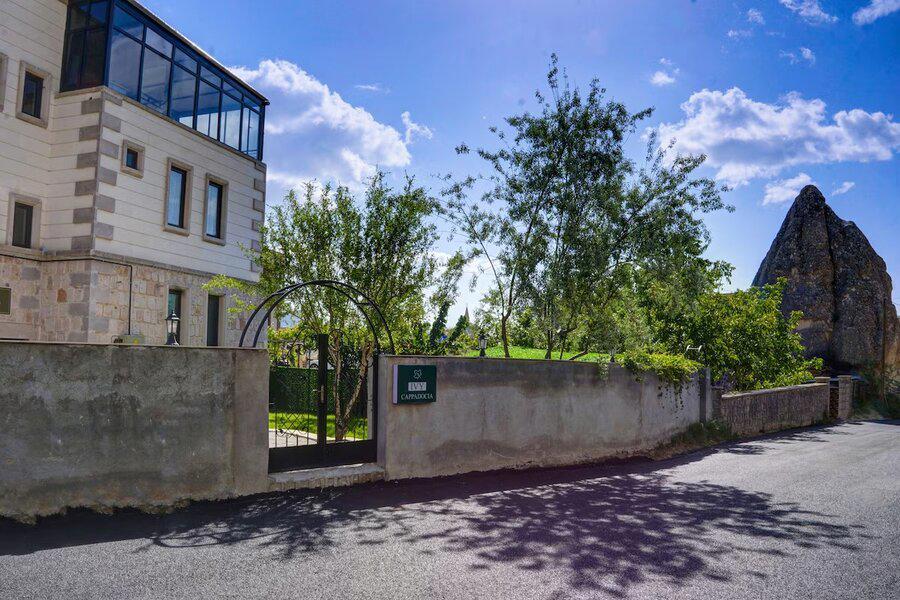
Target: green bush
{"points": [[673, 368]]}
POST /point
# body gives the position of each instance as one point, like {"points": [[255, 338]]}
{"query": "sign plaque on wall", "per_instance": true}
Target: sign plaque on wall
{"points": [[415, 384]]}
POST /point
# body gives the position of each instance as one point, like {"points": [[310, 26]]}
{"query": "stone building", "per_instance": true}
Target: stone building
{"points": [[130, 173]]}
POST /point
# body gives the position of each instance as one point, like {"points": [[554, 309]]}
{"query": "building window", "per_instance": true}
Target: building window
{"points": [[4, 64], [152, 65], [5, 301], [33, 94], [23, 221], [178, 198], [23, 224], [132, 158], [84, 52], [214, 210], [174, 306], [213, 319]]}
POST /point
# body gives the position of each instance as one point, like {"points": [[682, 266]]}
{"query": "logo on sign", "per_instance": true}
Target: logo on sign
{"points": [[417, 374]]}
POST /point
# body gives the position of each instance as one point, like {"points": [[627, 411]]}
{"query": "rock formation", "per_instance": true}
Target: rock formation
{"points": [[840, 284]]}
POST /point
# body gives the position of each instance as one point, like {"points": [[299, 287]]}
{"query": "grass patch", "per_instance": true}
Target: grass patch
{"points": [[304, 421], [521, 352]]}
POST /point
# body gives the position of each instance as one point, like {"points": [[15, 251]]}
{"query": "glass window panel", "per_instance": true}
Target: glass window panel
{"points": [[252, 134], [131, 158], [229, 87], [185, 60], [32, 95], [251, 102], [98, 13], [78, 15], [159, 43], [124, 65], [22, 223], [71, 74], [231, 121], [175, 208], [213, 226], [210, 76], [208, 110], [183, 89], [155, 82], [128, 23], [94, 58]]}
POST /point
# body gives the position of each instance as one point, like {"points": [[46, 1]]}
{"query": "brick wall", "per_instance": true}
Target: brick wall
{"points": [[763, 411]]}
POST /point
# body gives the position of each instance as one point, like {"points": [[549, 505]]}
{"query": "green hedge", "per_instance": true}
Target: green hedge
{"points": [[295, 390]]}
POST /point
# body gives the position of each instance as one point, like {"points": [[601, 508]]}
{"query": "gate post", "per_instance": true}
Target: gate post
{"points": [[322, 422]]}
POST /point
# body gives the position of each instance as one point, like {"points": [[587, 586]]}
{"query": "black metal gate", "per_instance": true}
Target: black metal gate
{"points": [[326, 415]]}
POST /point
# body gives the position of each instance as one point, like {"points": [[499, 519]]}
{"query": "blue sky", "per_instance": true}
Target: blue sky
{"points": [[778, 93]]}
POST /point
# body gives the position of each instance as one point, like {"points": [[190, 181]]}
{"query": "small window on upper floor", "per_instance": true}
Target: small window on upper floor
{"points": [[178, 198], [214, 210], [34, 93], [132, 158]]}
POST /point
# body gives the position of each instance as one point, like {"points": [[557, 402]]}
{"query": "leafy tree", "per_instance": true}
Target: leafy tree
{"points": [[381, 245], [567, 218], [745, 338]]}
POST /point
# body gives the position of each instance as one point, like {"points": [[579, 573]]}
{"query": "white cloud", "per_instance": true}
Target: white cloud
{"points": [[875, 10], [805, 54], [745, 139], [661, 78], [754, 16], [786, 189], [843, 188], [372, 87], [737, 34], [414, 129], [667, 75], [314, 134], [809, 10]]}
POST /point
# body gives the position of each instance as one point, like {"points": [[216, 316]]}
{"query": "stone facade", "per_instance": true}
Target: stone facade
{"points": [[71, 299]]}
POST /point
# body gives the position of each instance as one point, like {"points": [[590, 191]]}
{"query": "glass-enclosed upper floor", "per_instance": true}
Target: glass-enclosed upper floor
{"points": [[117, 44]]}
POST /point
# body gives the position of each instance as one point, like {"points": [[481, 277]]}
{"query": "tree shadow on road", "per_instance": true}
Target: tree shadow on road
{"points": [[607, 528]]}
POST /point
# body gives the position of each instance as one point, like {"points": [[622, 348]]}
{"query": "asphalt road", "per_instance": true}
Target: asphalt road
{"points": [[807, 514]]}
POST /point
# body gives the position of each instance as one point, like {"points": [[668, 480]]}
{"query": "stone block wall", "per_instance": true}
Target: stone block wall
{"points": [[69, 299], [764, 411]]}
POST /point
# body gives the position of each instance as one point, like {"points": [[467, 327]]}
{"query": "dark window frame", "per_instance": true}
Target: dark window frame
{"points": [[221, 80], [184, 199], [39, 82], [23, 233], [5, 300]]}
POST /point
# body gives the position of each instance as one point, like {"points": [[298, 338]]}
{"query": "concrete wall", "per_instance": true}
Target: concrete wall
{"points": [[493, 414], [112, 426], [763, 411]]}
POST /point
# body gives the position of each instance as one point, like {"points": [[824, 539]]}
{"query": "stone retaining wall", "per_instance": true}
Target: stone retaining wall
{"points": [[764, 411]]}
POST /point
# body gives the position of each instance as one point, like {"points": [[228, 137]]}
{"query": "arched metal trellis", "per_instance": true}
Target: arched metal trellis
{"points": [[358, 298], [301, 430]]}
